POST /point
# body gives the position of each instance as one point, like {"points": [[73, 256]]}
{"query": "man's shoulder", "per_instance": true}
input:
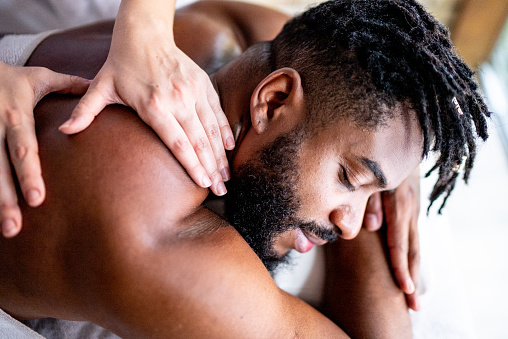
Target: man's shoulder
{"points": [[117, 168]]}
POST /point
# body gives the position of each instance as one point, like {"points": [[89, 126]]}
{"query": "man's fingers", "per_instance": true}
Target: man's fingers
{"points": [[414, 264], [398, 257], [10, 215], [24, 155], [413, 302], [90, 105], [373, 217], [228, 139], [398, 242]]}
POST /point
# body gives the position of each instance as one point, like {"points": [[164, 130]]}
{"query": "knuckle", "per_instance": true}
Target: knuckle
{"points": [[213, 132], [216, 174], [179, 145], [154, 102], [216, 107], [414, 255], [178, 95], [74, 79], [201, 144], [13, 116], [196, 168], [20, 152], [398, 247], [222, 161]]}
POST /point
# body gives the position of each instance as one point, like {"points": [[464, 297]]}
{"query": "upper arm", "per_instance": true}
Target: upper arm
{"points": [[249, 22], [209, 284]]}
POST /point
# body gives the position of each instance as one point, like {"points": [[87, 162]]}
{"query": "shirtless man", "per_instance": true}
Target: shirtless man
{"points": [[123, 239]]}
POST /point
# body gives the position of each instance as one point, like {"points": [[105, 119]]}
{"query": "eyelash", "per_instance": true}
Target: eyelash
{"points": [[346, 181]]}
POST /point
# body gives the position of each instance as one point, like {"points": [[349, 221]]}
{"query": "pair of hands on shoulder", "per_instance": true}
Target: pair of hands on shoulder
{"points": [[182, 107], [144, 70]]}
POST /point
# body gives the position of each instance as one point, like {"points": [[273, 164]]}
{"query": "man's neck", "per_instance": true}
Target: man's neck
{"points": [[235, 84]]}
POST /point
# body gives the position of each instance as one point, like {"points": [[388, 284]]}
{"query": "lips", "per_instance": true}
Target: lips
{"points": [[314, 239], [305, 241]]}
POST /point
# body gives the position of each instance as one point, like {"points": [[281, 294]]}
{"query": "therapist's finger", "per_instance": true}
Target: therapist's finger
{"points": [[57, 82], [208, 120], [172, 134], [10, 215], [90, 105], [199, 140], [24, 155], [228, 139]]}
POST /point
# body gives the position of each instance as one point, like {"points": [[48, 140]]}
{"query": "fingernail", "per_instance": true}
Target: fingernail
{"points": [[206, 182], [67, 123], [371, 222], [221, 189], [9, 228], [230, 143], [33, 196], [418, 306], [225, 174], [410, 287]]}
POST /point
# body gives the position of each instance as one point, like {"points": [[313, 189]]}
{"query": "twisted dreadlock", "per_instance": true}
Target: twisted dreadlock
{"points": [[380, 53]]}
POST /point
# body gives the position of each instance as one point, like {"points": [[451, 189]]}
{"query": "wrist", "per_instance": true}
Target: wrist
{"points": [[146, 18]]}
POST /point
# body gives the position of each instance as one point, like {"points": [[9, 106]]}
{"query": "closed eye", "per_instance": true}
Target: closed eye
{"points": [[345, 180]]}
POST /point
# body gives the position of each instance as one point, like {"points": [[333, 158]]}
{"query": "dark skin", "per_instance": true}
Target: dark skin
{"points": [[127, 242]]}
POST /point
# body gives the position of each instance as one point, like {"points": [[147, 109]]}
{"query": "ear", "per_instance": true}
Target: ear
{"points": [[278, 100]]}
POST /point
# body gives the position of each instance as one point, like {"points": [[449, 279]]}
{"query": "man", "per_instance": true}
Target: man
{"points": [[128, 244]]}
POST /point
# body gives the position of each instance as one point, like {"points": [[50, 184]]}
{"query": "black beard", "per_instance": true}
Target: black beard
{"points": [[260, 209], [261, 203]]}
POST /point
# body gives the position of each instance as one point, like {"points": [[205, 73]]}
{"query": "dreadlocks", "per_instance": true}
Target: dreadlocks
{"points": [[380, 53]]}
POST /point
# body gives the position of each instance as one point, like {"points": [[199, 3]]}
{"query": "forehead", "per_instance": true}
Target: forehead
{"points": [[395, 146]]}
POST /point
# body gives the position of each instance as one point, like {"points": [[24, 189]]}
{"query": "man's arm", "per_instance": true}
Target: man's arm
{"points": [[360, 293]]}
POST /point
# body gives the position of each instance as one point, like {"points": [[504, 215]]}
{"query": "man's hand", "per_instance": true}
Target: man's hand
{"points": [[20, 90], [401, 208], [146, 71]]}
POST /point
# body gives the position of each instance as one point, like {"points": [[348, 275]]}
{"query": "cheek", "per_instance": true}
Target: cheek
{"points": [[317, 187]]}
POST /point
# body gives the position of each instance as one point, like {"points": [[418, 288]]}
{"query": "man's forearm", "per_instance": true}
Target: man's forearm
{"points": [[361, 295]]}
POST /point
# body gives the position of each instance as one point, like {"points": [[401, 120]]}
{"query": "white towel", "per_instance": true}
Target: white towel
{"points": [[10, 328], [15, 49]]}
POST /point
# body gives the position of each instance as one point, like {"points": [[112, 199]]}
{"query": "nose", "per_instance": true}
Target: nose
{"points": [[348, 221]]}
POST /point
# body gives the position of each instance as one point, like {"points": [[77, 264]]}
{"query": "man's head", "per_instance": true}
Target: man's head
{"points": [[361, 68]]}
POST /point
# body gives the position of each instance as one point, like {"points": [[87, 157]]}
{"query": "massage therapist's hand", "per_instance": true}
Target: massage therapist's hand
{"points": [[21, 88], [146, 71], [400, 208]]}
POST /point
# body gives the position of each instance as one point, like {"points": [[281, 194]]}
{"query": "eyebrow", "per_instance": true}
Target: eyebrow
{"points": [[376, 170]]}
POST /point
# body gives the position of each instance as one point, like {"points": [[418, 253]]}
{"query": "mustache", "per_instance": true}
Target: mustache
{"points": [[320, 231]]}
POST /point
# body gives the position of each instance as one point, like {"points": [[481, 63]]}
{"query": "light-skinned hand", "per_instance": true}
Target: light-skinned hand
{"points": [[21, 88], [146, 71]]}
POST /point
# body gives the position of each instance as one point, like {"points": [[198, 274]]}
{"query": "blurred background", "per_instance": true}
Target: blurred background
{"points": [[476, 215], [478, 212]]}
